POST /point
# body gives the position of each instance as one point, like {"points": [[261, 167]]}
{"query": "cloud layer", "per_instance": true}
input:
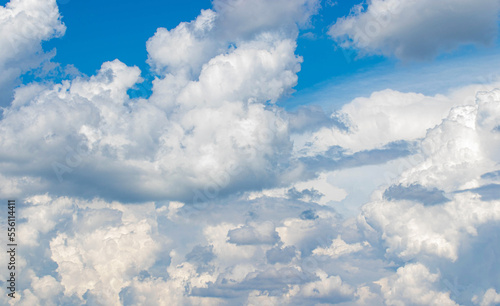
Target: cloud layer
{"points": [[208, 193], [418, 30]]}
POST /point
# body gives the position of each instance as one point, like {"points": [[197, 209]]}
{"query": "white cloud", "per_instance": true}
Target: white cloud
{"points": [[184, 49], [410, 229], [43, 218], [46, 287], [384, 117], [217, 127], [318, 190], [174, 291], [462, 148], [329, 287], [490, 297], [417, 29], [211, 131], [338, 248], [122, 253], [103, 260], [24, 24], [412, 284]]}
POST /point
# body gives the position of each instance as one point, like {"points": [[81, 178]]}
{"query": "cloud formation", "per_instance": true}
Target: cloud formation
{"points": [[393, 199], [23, 27], [210, 117], [416, 30]]}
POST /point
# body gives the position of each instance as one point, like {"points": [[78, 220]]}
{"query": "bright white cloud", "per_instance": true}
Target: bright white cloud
{"points": [[183, 51], [412, 284], [268, 186], [338, 248], [410, 229], [89, 261], [462, 148], [329, 287], [210, 132], [24, 24], [185, 48], [490, 297], [417, 29], [384, 117]]}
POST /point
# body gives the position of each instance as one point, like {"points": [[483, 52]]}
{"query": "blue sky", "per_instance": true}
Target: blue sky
{"points": [[121, 29], [252, 152]]}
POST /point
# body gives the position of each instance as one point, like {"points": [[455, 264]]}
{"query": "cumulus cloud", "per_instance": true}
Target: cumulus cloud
{"points": [[384, 117], [416, 29], [213, 131], [115, 254], [453, 159], [412, 284], [185, 48], [278, 248], [209, 123], [490, 297], [328, 289], [83, 260], [412, 229], [24, 25], [463, 144], [183, 51], [248, 201]]}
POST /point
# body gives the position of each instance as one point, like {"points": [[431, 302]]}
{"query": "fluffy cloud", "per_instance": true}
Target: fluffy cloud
{"points": [[219, 123], [372, 122], [412, 285], [388, 200], [328, 288], [490, 297], [453, 160], [23, 26], [116, 254], [464, 144], [186, 48], [417, 29], [410, 229], [277, 248]]}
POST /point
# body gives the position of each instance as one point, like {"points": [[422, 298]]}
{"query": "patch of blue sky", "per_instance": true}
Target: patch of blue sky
{"points": [[100, 31], [468, 65]]}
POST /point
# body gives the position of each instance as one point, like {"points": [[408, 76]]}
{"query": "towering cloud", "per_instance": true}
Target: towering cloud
{"points": [[208, 193], [210, 122]]}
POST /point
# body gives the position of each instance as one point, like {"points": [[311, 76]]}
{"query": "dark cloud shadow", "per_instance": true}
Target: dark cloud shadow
{"points": [[337, 158], [489, 192], [416, 192]]}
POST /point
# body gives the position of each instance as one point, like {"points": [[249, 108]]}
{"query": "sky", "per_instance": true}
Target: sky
{"points": [[237, 152]]}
